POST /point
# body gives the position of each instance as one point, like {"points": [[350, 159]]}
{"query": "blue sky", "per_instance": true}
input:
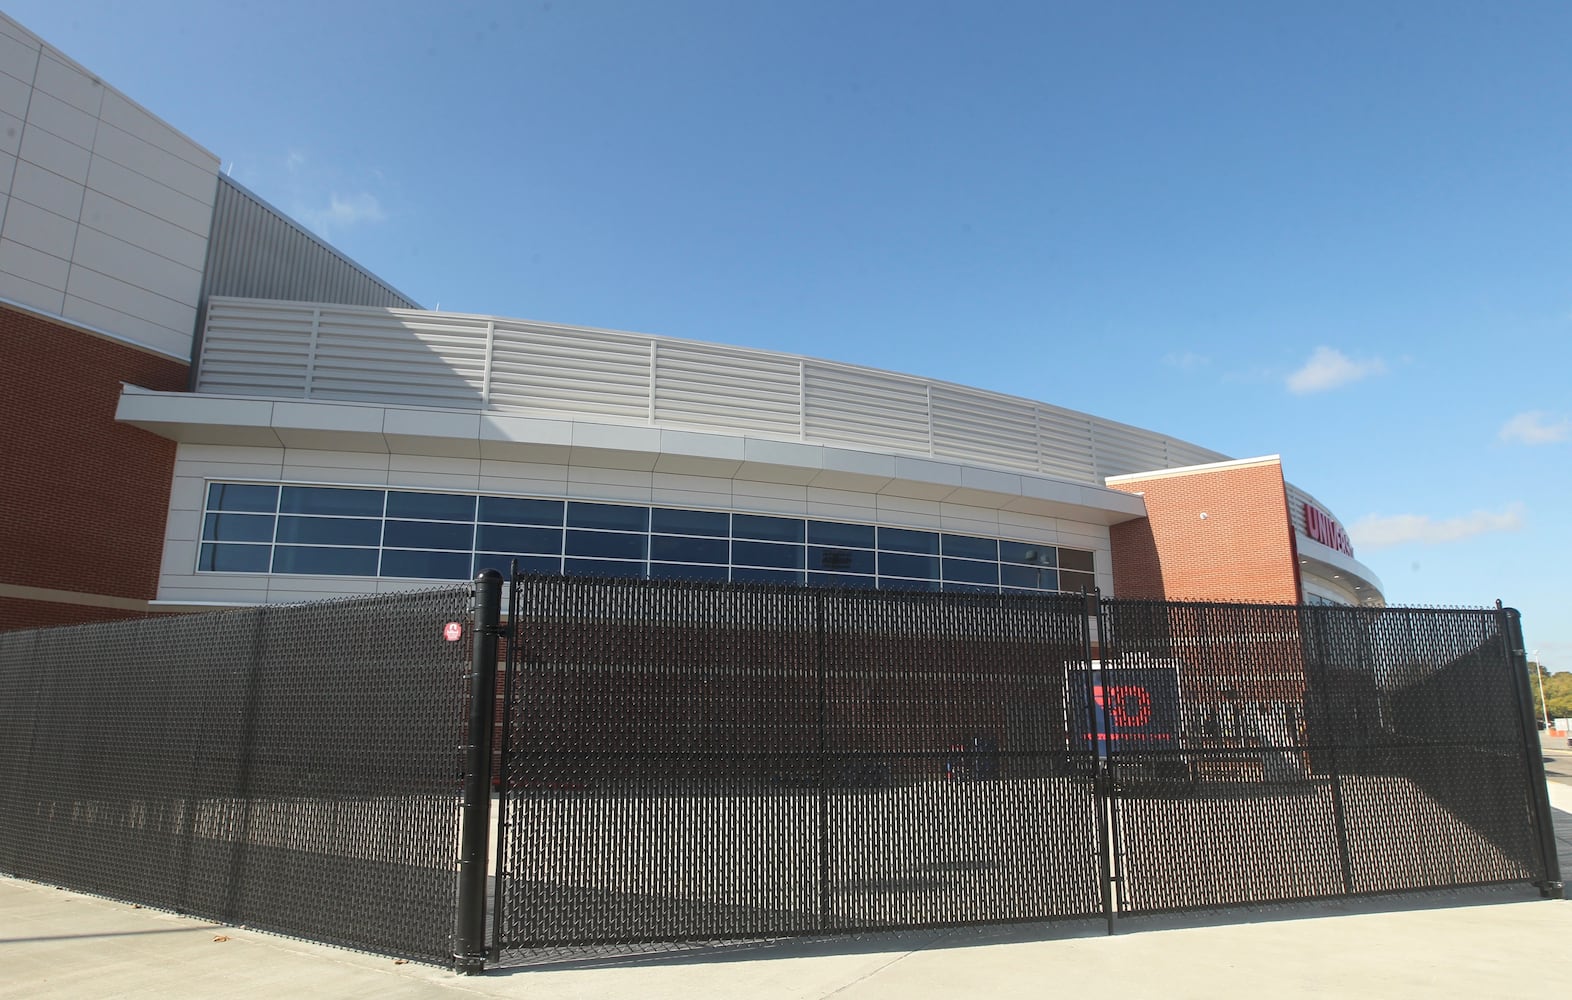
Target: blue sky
{"points": [[1338, 232]]}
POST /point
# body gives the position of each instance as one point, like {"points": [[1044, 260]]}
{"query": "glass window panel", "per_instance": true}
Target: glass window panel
{"points": [[842, 536], [967, 571], [329, 530], [674, 571], [431, 506], [327, 500], [840, 560], [234, 558], [885, 583], [515, 510], [690, 522], [969, 588], [508, 538], [324, 562], [1031, 577], [428, 535], [615, 517], [1077, 559], [607, 544], [696, 550], [971, 547], [900, 564], [841, 580], [603, 567], [238, 527], [741, 574], [1076, 582], [906, 540], [426, 565], [766, 554], [770, 529], [1029, 553], [239, 496], [501, 561]]}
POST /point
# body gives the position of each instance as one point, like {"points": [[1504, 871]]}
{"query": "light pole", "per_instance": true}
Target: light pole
{"points": [[1539, 672]]}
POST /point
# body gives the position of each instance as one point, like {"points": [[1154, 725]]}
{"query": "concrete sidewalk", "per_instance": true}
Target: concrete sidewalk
{"points": [[1478, 943]]}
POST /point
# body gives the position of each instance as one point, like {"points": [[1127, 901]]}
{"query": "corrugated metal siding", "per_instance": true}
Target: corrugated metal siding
{"points": [[416, 358], [255, 251]]}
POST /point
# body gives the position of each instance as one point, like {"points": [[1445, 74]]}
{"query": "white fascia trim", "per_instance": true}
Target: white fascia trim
{"points": [[1324, 561], [1188, 470], [203, 418]]}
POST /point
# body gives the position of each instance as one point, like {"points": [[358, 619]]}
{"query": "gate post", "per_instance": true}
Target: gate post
{"points": [[1538, 795], [469, 940]]}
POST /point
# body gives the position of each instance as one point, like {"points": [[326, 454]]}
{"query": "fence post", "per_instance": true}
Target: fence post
{"points": [[1319, 620], [1538, 795], [469, 944], [819, 627]]}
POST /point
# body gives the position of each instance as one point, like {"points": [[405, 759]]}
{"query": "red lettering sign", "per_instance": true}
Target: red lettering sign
{"points": [[1322, 527]]}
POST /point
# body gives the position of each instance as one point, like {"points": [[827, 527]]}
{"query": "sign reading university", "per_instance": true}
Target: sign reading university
{"points": [[1322, 527]]}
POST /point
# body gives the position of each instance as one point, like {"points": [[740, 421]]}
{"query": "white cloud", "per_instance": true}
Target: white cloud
{"points": [[1329, 368], [343, 211], [1536, 427], [1187, 361], [1378, 531], [294, 161]]}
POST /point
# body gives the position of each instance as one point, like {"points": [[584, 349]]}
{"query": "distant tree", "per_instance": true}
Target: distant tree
{"points": [[1558, 694]]}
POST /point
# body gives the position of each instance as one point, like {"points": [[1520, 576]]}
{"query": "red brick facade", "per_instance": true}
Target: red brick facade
{"points": [[83, 499], [1218, 533]]}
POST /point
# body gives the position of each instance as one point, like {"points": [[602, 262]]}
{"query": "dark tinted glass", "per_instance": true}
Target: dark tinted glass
{"points": [[966, 571], [853, 536], [766, 554], [1034, 577], [607, 544], [507, 538], [433, 506], [426, 565], [512, 510], [599, 567], [1029, 553], [673, 571], [236, 496], [1076, 582], [607, 515], [900, 564], [690, 522], [742, 574], [772, 529], [326, 562], [324, 500], [841, 580], [969, 588], [971, 547], [428, 535], [1077, 559], [840, 560], [908, 584], [234, 558], [499, 561], [699, 550], [906, 540], [329, 530], [238, 527]]}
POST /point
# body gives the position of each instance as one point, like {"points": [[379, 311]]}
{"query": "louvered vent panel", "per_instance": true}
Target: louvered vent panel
{"points": [[589, 372], [255, 349], [1064, 444], [1297, 498], [864, 408], [985, 428], [1182, 454], [1121, 450], [699, 385], [403, 359]]}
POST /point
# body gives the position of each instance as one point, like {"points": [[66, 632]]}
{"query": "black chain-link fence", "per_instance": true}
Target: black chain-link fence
{"points": [[709, 762], [291, 768]]}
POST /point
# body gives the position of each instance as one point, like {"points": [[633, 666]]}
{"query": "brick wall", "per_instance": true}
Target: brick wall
{"points": [[1241, 550], [82, 498]]}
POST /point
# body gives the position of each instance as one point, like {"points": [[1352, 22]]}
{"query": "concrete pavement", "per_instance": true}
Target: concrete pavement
{"points": [[1500, 942]]}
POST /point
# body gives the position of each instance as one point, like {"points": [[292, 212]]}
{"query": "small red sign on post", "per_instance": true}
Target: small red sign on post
{"points": [[452, 631]]}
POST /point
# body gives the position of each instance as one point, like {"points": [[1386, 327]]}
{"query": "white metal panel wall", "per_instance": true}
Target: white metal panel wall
{"points": [[104, 209], [406, 357]]}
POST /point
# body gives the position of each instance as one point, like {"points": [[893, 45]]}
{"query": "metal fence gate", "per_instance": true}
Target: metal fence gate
{"points": [[701, 762]]}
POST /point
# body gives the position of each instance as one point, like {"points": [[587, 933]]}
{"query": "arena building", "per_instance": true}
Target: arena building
{"points": [[205, 405]]}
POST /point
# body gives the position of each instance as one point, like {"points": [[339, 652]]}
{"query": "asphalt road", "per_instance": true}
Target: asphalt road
{"points": [[1558, 759]]}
